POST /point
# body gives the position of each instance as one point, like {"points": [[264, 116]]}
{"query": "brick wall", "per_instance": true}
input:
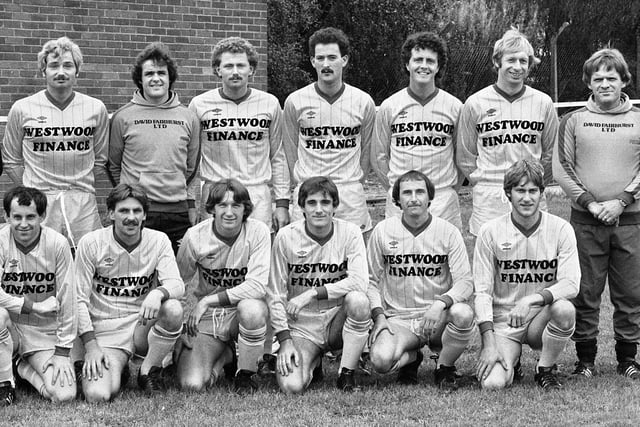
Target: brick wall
{"points": [[111, 33]]}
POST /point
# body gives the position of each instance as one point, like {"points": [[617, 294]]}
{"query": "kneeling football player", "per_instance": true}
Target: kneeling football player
{"points": [[128, 285], [38, 298], [230, 252], [419, 278], [525, 269], [317, 291]]}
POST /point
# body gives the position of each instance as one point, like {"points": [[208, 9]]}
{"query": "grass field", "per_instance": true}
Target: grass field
{"points": [[604, 400]]}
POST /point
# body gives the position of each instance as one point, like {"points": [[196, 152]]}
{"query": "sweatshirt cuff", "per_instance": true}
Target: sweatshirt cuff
{"points": [[223, 299], [282, 203], [584, 199], [191, 204], [626, 197], [165, 293], [547, 296], [446, 299], [88, 336], [323, 293], [27, 306], [485, 326], [62, 351], [376, 312], [283, 335]]}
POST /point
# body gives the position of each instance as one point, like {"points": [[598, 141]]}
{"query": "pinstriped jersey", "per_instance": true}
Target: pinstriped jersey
{"points": [[508, 265], [299, 262], [58, 148], [407, 272], [113, 282], [45, 270], [239, 271], [418, 135], [495, 130], [242, 139], [329, 136]]}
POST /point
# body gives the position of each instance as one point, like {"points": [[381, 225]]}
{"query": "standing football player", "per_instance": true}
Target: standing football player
{"points": [[525, 268], [241, 133], [419, 278], [56, 141], [230, 252], [155, 141], [328, 126], [501, 124], [596, 164], [128, 285], [415, 128], [316, 293], [38, 297]]}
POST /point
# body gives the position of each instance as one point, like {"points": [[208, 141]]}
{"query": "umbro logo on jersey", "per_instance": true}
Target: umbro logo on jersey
{"points": [[302, 254], [311, 114], [211, 256], [13, 263], [216, 111], [402, 114], [491, 112], [41, 119], [108, 262], [393, 244], [506, 246]]}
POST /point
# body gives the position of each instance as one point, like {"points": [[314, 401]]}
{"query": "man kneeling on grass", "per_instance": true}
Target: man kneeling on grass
{"points": [[419, 276], [128, 285], [230, 253], [316, 293], [525, 268]]}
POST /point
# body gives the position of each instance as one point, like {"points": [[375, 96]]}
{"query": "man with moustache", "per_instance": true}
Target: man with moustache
{"points": [[128, 290], [415, 128], [596, 164], [328, 126], [504, 123], [241, 133], [56, 141], [155, 142]]}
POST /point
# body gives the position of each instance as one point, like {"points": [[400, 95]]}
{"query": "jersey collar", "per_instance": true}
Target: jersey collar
{"points": [[229, 241], [417, 230], [508, 97], [26, 249], [128, 248], [419, 99], [319, 240], [59, 105], [235, 101], [527, 231], [329, 99]]}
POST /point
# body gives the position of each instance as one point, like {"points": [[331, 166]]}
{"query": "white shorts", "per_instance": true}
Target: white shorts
{"points": [[220, 323], [72, 213], [32, 339], [489, 202], [315, 326], [445, 205], [352, 207], [519, 334], [260, 197], [119, 333]]}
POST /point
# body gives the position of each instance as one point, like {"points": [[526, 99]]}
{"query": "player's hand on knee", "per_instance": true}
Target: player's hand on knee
{"points": [[380, 324], [62, 370], [518, 315], [49, 305], [489, 356], [194, 318], [151, 306], [432, 318], [94, 360], [288, 357]]}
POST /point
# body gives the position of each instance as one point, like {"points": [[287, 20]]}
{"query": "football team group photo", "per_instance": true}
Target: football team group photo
{"points": [[238, 247]]}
